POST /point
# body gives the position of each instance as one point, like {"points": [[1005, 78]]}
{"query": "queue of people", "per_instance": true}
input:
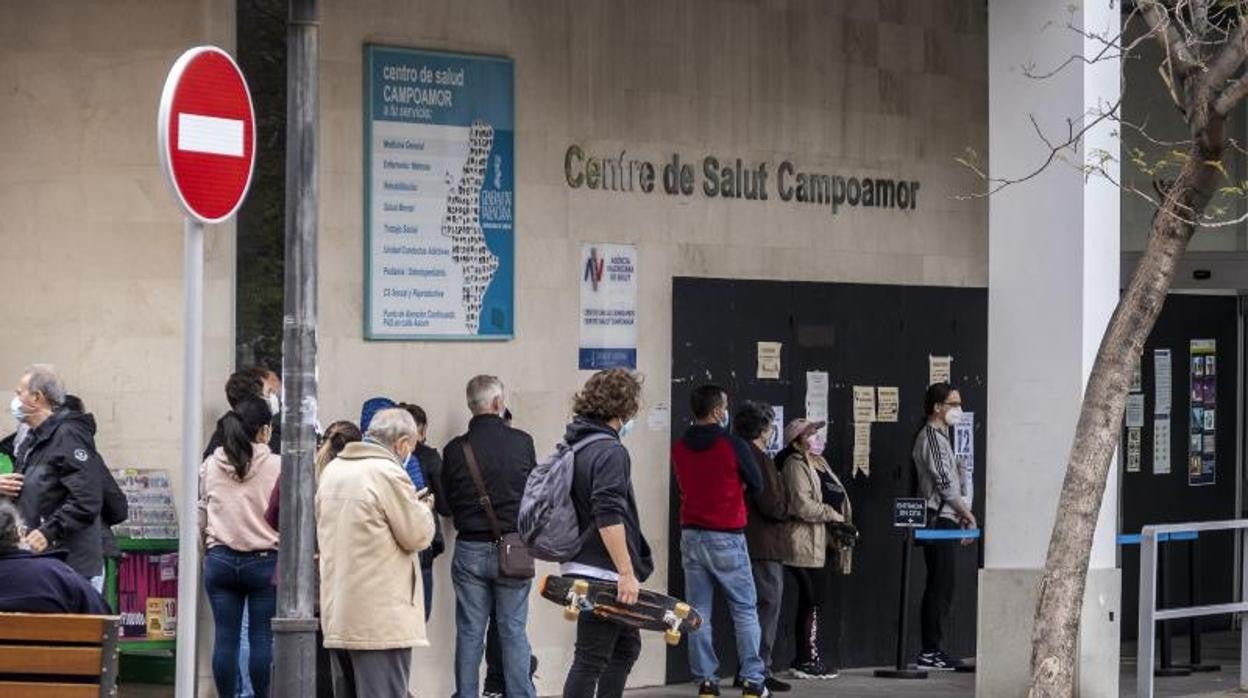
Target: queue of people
{"points": [[750, 525]]}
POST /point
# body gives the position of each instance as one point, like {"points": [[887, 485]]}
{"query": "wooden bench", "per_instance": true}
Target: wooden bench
{"points": [[58, 656]]}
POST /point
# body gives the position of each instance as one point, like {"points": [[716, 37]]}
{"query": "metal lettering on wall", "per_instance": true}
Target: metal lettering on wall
{"points": [[733, 179]]}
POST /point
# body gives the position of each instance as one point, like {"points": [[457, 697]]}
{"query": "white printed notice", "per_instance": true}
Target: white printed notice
{"points": [[1135, 410], [939, 369], [439, 210], [1162, 381], [1161, 446], [817, 406], [608, 307]]}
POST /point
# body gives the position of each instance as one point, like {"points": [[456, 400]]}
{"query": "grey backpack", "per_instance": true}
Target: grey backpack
{"points": [[547, 520]]}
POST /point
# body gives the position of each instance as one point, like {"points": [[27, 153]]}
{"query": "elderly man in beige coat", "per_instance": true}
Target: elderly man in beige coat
{"points": [[370, 524]]}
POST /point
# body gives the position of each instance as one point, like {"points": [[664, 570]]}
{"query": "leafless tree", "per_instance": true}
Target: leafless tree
{"points": [[1204, 44]]}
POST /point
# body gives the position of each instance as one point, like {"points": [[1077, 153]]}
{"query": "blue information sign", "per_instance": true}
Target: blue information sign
{"points": [[439, 182]]}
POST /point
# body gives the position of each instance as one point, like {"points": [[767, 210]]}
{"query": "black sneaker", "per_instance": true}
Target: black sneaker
{"points": [[776, 685], [937, 661], [708, 689], [813, 670], [738, 682], [753, 690]]}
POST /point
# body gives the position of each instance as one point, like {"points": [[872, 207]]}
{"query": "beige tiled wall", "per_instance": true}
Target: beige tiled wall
{"points": [[91, 241]]}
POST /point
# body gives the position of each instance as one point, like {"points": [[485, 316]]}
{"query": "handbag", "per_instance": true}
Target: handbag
{"points": [[514, 558]]}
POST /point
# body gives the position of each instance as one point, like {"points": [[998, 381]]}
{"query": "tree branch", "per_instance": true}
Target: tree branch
{"points": [[1229, 59], [1179, 57], [1231, 96]]}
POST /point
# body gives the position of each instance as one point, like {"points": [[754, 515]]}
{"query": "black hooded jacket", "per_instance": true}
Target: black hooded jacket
{"points": [[63, 488], [602, 492]]}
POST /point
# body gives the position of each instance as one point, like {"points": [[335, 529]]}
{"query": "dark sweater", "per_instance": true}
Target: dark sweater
{"points": [[602, 493], [506, 457], [713, 469], [31, 583]]}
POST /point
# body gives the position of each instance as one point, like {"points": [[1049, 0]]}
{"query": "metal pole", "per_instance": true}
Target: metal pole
{"points": [[295, 624], [903, 670], [1148, 605], [192, 442], [1166, 667]]}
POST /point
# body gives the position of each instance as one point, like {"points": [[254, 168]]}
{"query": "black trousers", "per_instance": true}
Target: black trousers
{"points": [[812, 588], [940, 557], [605, 653]]}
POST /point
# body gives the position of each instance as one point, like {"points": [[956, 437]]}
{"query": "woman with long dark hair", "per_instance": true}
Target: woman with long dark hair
{"points": [[940, 483], [234, 487]]}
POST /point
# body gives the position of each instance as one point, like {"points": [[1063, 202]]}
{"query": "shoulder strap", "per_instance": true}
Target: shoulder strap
{"points": [[593, 438], [475, 471]]}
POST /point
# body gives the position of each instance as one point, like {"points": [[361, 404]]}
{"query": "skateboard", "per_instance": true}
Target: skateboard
{"points": [[653, 611]]}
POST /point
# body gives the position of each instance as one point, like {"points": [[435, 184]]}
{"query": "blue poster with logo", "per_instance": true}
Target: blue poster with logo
{"points": [[439, 182]]}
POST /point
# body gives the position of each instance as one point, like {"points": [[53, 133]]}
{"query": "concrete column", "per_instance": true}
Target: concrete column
{"points": [[1052, 284]]}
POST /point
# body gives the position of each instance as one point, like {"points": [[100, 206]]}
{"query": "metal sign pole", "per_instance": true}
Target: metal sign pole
{"points": [[192, 438]]}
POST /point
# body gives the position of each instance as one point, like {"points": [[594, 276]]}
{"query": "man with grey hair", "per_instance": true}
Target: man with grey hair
{"points": [[370, 524], [58, 483], [503, 457]]}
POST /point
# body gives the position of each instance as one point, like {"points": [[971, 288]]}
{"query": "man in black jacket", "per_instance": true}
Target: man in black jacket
{"points": [[504, 457], [61, 486], [606, 512]]}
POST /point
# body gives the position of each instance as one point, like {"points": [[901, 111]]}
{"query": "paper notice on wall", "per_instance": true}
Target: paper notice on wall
{"points": [[964, 454], [659, 418], [768, 360], [1135, 410], [1137, 377], [776, 442], [862, 449], [817, 406], [887, 404], [1133, 449], [1162, 381], [939, 369], [864, 404], [1161, 446]]}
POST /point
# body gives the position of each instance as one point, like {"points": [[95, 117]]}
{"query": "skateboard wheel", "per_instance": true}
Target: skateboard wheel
{"points": [[682, 610], [571, 613], [672, 637], [581, 587]]}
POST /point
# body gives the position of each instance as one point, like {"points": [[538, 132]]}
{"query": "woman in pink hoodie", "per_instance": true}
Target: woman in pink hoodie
{"points": [[234, 487]]}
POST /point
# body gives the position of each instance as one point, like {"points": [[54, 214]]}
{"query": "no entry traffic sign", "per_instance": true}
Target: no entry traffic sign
{"points": [[207, 133]]}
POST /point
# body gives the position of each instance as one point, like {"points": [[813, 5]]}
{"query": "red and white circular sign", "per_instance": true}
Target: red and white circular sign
{"points": [[207, 133]]}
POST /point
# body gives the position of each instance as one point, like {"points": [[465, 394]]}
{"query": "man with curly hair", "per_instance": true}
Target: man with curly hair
{"points": [[602, 493]]}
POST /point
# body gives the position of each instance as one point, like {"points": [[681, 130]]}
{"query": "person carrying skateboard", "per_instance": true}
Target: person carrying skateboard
{"points": [[615, 549], [714, 470]]}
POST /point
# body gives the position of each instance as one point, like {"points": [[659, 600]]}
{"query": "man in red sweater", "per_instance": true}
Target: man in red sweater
{"points": [[714, 470]]}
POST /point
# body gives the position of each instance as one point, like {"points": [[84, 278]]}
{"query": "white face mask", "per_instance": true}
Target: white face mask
{"points": [[16, 409], [953, 416], [275, 403]]}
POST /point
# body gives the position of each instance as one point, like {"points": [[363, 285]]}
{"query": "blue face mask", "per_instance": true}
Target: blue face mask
{"points": [[627, 428]]}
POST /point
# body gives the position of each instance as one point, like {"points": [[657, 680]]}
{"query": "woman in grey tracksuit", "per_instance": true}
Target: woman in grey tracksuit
{"points": [[940, 483]]}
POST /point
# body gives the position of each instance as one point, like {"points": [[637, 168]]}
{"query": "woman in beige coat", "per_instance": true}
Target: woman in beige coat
{"points": [[809, 515]]}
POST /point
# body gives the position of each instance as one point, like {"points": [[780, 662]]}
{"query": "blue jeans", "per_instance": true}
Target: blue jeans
{"points": [[234, 581], [478, 588], [711, 559], [244, 659]]}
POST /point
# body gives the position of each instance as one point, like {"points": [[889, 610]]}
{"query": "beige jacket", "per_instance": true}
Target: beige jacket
{"points": [[370, 524], [231, 511], [807, 529]]}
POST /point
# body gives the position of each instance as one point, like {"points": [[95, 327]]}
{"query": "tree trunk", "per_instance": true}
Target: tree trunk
{"points": [[1057, 617]]}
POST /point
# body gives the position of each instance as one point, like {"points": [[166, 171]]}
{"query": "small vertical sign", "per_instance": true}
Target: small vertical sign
{"points": [[608, 307]]}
